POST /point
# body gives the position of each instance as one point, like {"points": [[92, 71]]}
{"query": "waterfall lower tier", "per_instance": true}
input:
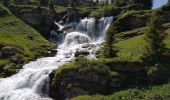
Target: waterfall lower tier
{"points": [[32, 82]]}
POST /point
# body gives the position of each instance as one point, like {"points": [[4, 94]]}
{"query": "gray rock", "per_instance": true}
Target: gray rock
{"points": [[86, 45], [67, 29], [61, 22], [8, 51], [81, 52], [53, 52]]}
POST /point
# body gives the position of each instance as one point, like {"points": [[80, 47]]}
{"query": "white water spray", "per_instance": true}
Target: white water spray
{"points": [[32, 82]]}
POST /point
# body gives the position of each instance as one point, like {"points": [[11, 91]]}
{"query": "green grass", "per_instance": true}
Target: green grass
{"points": [[16, 33], [131, 44], [131, 49], [153, 93]]}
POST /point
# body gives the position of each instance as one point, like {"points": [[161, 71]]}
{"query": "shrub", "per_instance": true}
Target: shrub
{"points": [[86, 65]]}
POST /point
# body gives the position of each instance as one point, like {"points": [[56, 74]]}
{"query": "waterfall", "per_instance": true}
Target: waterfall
{"points": [[32, 82]]}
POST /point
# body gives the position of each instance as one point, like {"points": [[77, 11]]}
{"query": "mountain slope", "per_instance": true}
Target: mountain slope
{"points": [[19, 43]]}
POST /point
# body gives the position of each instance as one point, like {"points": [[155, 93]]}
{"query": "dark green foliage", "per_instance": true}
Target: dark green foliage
{"points": [[168, 2], [6, 2], [51, 5], [44, 2], [109, 50], [146, 3], [85, 66], [154, 37], [43, 21]]}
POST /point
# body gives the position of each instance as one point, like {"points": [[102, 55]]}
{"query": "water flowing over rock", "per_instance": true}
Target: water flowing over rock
{"points": [[32, 82], [76, 38]]}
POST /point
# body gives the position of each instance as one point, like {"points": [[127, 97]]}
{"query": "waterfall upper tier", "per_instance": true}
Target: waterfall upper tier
{"points": [[93, 28]]}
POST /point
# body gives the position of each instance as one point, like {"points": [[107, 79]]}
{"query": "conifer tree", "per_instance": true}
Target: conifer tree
{"points": [[51, 5], [154, 37], [109, 50]]}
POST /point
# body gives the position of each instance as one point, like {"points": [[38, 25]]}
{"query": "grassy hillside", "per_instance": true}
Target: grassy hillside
{"points": [[153, 93], [16, 34], [131, 44]]}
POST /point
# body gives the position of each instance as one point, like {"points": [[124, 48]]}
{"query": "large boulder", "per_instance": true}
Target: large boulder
{"points": [[81, 52], [9, 51], [72, 83]]}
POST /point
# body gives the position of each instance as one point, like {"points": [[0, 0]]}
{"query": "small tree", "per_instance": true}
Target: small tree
{"points": [[51, 5], [168, 2], [154, 37], [109, 50]]}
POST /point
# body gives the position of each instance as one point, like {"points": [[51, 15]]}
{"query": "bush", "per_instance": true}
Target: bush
{"points": [[95, 14], [85, 66]]}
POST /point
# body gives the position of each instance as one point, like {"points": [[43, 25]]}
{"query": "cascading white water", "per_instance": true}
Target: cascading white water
{"points": [[32, 82]]}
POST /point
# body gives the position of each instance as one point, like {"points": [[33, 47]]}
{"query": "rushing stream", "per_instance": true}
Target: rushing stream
{"points": [[32, 82]]}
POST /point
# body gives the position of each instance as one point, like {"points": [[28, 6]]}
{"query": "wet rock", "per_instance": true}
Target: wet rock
{"points": [[68, 55], [61, 22], [9, 51], [17, 60], [81, 52], [67, 29], [53, 52], [86, 45]]}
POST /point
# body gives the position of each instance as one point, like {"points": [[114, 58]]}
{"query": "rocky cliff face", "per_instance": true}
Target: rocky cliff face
{"points": [[71, 83]]}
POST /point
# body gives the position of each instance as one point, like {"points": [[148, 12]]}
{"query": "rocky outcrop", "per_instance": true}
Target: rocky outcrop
{"points": [[9, 51], [71, 83], [132, 20]]}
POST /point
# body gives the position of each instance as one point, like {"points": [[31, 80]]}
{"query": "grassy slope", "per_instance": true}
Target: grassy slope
{"points": [[153, 93], [133, 48], [14, 32]]}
